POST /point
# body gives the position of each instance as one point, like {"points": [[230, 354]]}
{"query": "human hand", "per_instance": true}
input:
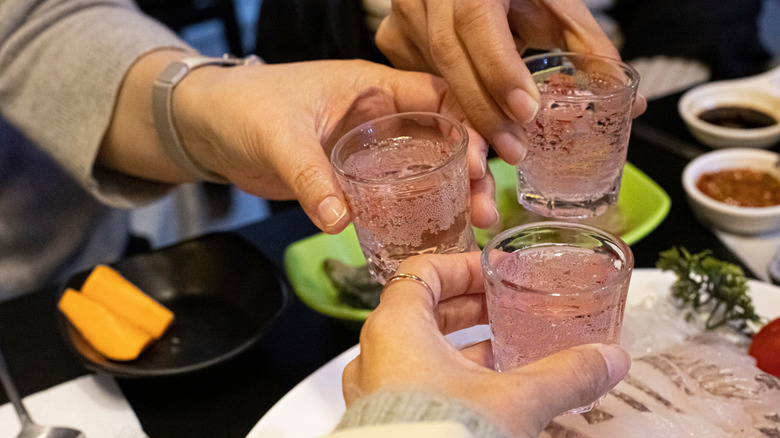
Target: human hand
{"points": [[476, 46], [269, 129], [402, 347]]}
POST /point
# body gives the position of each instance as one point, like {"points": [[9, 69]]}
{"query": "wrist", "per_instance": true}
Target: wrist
{"points": [[180, 112], [130, 144]]}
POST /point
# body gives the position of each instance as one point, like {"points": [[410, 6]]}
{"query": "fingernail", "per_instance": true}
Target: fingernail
{"points": [[522, 106], [496, 217], [510, 147], [618, 362], [331, 210], [482, 166]]}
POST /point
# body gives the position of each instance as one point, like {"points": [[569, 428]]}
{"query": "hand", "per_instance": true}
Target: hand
{"points": [[402, 347], [476, 46], [269, 129]]}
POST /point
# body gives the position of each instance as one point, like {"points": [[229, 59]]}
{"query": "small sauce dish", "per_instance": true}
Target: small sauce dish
{"points": [[753, 103], [725, 216]]}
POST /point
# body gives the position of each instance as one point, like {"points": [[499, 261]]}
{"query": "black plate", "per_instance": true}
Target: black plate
{"points": [[223, 292]]}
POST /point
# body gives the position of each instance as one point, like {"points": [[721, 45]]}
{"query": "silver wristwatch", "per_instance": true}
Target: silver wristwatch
{"points": [[162, 110]]}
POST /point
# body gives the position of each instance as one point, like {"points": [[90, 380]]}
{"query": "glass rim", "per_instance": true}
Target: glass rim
{"points": [[489, 270], [459, 152], [632, 87]]}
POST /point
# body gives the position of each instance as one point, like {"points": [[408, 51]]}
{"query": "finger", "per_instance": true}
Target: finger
{"points": [[449, 315], [480, 353], [483, 201], [310, 175], [640, 105], [369, 104], [462, 300], [350, 381], [447, 275], [483, 207], [451, 58], [573, 377], [461, 312], [580, 30], [313, 183], [413, 91], [399, 49], [511, 147], [477, 154], [485, 33]]}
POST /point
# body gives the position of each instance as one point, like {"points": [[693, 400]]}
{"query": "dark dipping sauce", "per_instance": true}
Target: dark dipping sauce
{"points": [[741, 187], [737, 117]]}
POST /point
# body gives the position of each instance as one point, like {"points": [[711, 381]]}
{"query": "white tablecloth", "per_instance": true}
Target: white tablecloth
{"points": [[93, 404]]}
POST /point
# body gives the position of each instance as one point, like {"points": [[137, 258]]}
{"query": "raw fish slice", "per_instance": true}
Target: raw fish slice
{"points": [[703, 387]]}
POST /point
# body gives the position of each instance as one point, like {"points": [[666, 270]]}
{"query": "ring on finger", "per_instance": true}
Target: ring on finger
{"points": [[412, 277]]}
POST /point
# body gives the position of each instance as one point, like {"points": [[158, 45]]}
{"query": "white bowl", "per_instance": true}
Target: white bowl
{"points": [[761, 92], [731, 218]]}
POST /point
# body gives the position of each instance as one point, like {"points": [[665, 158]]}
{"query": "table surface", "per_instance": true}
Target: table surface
{"points": [[228, 399]]}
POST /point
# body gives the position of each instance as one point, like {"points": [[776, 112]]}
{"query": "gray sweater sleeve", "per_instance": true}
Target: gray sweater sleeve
{"points": [[61, 66], [410, 406]]}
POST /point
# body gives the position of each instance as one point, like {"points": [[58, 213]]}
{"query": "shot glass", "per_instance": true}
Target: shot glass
{"points": [[406, 181], [551, 286], [578, 141]]}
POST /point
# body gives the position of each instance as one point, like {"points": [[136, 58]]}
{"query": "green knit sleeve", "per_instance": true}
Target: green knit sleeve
{"points": [[414, 406]]}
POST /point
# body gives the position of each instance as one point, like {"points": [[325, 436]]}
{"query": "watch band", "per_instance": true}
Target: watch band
{"points": [[162, 110]]}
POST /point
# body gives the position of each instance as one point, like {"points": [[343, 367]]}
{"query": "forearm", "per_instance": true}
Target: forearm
{"points": [[131, 144]]}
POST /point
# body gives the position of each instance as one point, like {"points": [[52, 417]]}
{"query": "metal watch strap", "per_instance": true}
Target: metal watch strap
{"points": [[162, 110]]}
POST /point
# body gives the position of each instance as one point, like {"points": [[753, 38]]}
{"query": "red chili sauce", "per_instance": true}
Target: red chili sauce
{"points": [[742, 187]]}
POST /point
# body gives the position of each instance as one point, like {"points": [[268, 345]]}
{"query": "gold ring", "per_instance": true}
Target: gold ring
{"points": [[398, 277]]}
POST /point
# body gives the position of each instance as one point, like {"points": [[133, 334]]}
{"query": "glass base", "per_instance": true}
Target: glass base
{"points": [[383, 263], [557, 208]]}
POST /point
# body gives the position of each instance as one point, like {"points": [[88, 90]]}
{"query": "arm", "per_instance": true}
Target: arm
{"points": [[62, 65], [267, 129]]}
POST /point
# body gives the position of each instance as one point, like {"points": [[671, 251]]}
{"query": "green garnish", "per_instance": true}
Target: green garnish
{"points": [[711, 289]]}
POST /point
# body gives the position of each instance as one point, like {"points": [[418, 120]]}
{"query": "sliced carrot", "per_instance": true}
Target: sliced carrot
{"points": [[111, 289], [110, 334]]}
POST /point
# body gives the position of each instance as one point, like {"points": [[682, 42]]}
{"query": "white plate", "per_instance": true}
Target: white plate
{"points": [[314, 406]]}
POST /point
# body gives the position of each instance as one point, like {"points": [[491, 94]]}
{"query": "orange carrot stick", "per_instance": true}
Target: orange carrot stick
{"points": [[110, 334], [111, 289]]}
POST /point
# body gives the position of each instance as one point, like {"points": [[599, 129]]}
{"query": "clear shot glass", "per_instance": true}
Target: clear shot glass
{"points": [[406, 181], [578, 141], [551, 286]]}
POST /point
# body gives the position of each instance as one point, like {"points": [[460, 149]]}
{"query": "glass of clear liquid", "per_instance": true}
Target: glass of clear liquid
{"points": [[550, 286], [578, 141], [406, 180]]}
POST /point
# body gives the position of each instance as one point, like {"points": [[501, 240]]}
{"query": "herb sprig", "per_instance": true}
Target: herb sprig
{"points": [[711, 289]]}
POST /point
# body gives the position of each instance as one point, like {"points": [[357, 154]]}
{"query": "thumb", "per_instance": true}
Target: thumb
{"points": [[310, 177], [350, 381], [576, 377]]}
